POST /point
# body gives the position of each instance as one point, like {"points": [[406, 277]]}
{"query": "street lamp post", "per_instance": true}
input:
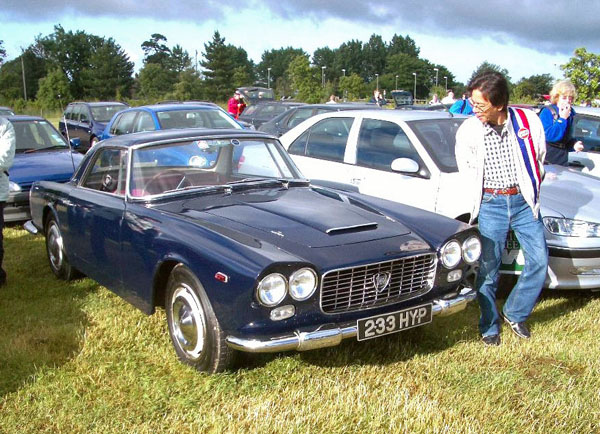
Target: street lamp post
{"points": [[269, 78], [377, 81], [436, 76], [344, 72], [415, 90], [446, 78], [396, 83], [323, 75]]}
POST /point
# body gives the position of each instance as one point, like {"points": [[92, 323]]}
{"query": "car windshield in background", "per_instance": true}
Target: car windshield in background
{"points": [[36, 135], [195, 118], [104, 113], [6, 112], [439, 138], [207, 163]]}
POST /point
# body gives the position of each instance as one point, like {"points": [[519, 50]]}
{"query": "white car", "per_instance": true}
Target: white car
{"points": [[408, 156]]}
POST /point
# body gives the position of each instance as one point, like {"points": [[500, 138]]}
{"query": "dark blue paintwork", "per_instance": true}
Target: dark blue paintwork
{"points": [[130, 245]]}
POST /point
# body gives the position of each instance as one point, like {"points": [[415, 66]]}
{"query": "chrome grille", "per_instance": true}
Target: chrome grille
{"points": [[352, 289]]}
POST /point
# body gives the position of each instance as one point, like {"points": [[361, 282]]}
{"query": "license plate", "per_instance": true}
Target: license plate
{"points": [[388, 323]]}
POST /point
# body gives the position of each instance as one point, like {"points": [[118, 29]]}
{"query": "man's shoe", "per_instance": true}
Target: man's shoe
{"points": [[519, 328], [491, 340]]}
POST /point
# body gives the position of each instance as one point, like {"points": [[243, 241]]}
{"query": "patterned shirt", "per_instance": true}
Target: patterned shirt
{"points": [[500, 169]]}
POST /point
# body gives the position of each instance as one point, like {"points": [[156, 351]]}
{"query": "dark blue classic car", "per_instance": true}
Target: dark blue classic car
{"points": [[221, 229], [41, 153]]}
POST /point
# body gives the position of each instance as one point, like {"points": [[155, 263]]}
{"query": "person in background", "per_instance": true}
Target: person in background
{"points": [[331, 100], [449, 98], [462, 106], [557, 119], [434, 100], [500, 153], [236, 105], [7, 154], [378, 98]]}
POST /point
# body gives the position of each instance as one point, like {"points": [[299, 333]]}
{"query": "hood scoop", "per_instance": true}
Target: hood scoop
{"points": [[352, 229]]}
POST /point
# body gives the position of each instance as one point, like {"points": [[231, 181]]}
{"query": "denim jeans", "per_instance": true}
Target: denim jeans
{"points": [[497, 215]]}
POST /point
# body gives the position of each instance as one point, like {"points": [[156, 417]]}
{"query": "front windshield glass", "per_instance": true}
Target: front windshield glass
{"points": [[104, 113], [207, 164], [36, 135], [438, 136], [195, 118]]}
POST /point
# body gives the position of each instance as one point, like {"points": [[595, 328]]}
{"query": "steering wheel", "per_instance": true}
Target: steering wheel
{"points": [[170, 179]]}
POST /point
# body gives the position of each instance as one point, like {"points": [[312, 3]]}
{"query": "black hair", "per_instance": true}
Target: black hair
{"points": [[493, 86]]}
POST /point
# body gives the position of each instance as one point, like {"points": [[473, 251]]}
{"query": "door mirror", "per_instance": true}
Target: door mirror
{"points": [[405, 165], [75, 142]]}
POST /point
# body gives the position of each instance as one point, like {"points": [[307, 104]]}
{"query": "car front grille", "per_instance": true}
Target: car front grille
{"points": [[356, 288]]}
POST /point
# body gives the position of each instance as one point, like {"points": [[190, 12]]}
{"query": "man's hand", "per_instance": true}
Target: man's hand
{"points": [[578, 146]]}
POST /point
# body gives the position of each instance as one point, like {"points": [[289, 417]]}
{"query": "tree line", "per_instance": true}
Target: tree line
{"points": [[65, 66]]}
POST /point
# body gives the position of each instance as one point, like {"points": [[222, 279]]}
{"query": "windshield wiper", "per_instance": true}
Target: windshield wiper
{"points": [[47, 148]]}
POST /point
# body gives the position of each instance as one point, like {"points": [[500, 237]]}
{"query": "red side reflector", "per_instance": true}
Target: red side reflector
{"points": [[221, 277]]}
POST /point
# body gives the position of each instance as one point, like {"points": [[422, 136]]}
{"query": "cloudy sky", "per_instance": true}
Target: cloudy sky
{"points": [[526, 37]]}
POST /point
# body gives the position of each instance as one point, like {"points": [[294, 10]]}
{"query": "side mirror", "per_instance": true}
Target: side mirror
{"points": [[405, 165], [75, 142]]}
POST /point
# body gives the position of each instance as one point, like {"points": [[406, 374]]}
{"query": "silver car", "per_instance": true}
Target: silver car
{"points": [[408, 156]]}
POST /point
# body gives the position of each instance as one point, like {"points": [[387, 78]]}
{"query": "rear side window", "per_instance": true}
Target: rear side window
{"points": [[84, 115], [68, 112], [123, 124], [298, 117], [144, 122], [327, 139]]}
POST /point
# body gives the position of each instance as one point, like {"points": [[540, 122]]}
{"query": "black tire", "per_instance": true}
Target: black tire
{"points": [[195, 331], [59, 264]]}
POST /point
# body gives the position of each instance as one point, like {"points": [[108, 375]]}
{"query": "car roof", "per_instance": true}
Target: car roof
{"points": [[99, 103], [174, 107], [21, 118], [594, 111], [133, 139], [344, 105], [392, 115]]}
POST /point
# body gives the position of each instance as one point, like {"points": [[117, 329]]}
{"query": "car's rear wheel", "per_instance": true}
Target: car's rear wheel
{"points": [[194, 329], [59, 264]]}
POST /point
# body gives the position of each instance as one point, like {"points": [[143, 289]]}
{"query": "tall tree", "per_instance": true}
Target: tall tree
{"points": [[304, 80], [278, 60], [583, 69], [374, 56], [403, 45], [533, 87], [54, 92], [156, 51], [11, 75], [218, 68], [180, 59], [2, 52], [349, 56], [486, 67], [109, 73]]}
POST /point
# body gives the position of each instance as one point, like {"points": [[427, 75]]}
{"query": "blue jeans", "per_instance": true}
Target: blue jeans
{"points": [[498, 214]]}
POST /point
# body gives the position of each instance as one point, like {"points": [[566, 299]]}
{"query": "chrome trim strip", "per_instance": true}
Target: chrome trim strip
{"points": [[372, 225], [331, 335]]}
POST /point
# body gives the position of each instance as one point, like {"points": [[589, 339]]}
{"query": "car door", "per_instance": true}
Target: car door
{"points": [[84, 126], [378, 144], [319, 152], [95, 217]]}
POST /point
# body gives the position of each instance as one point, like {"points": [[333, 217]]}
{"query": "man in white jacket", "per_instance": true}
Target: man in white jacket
{"points": [[7, 153], [501, 152]]}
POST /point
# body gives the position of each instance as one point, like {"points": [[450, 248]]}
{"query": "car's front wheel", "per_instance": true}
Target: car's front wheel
{"points": [[59, 264], [194, 329]]}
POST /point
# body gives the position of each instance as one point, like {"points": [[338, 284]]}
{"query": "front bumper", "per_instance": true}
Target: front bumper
{"points": [[329, 335], [17, 207], [573, 269]]}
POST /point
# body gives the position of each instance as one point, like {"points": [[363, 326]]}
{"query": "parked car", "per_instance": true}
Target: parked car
{"points": [[220, 228], [86, 121], [168, 116], [244, 124], [286, 121], [408, 157], [6, 111], [258, 114], [586, 127], [41, 153], [256, 94]]}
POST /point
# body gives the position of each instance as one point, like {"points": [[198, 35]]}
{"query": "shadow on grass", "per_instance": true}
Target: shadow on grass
{"points": [[40, 316]]}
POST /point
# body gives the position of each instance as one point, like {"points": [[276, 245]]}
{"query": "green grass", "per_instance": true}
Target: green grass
{"points": [[75, 358]]}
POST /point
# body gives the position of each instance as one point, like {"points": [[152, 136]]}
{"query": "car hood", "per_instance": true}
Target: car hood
{"points": [[53, 165], [568, 193], [308, 216]]}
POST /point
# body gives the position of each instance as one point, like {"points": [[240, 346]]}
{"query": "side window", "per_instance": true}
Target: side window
{"points": [[144, 122], [76, 112], [68, 112], [327, 139], [298, 146], [123, 124], [108, 171], [587, 129], [84, 115], [380, 143], [298, 117]]}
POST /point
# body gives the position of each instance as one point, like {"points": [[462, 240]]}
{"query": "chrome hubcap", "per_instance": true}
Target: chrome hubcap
{"points": [[55, 246], [189, 323]]}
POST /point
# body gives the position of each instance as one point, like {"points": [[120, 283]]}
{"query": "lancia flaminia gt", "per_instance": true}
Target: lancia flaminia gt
{"points": [[220, 228]]}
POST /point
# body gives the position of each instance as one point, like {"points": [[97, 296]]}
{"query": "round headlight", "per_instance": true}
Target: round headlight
{"points": [[13, 187], [451, 254], [303, 283], [271, 289], [471, 249]]}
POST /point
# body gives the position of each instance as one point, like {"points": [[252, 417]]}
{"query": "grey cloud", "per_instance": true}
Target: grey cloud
{"points": [[552, 27]]}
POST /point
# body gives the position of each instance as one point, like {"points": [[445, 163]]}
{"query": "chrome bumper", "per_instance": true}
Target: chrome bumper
{"points": [[30, 227], [331, 335]]}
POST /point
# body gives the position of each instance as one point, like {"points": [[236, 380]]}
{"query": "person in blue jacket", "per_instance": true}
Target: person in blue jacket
{"points": [[557, 119], [462, 107]]}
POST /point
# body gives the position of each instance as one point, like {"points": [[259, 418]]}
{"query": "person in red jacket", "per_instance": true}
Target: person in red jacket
{"points": [[236, 105]]}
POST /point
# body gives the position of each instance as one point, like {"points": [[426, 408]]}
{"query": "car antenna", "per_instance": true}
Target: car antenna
{"points": [[69, 141]]}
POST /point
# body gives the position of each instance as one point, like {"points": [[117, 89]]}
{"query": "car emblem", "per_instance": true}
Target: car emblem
{"points": [[381, 281]]}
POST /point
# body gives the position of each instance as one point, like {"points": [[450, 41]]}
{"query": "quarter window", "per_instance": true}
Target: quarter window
{"points": [[123, 124], [327, 139], [108, 171], [144, 122]]}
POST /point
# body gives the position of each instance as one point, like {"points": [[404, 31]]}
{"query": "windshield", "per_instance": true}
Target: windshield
{"points": [[6, 112], [195, 118], [36, 135], [104, 113], [260, 93], [402, 97], [208, 164], [438, 136]]}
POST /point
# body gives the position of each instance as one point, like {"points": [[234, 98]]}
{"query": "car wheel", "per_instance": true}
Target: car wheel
{"points": [[194, 329], [56, 252]]}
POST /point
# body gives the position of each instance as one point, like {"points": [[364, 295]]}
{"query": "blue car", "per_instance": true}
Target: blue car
{"points": [[168, 116], [220, 229], [86, 121], [41, 153]]}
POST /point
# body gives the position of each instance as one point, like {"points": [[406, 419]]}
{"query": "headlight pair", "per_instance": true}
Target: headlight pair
{"points": [[453, 251], [273, 288], [571, 228]]}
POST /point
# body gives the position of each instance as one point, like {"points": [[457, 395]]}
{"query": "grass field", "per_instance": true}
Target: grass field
{"points": [[74, 358]]}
